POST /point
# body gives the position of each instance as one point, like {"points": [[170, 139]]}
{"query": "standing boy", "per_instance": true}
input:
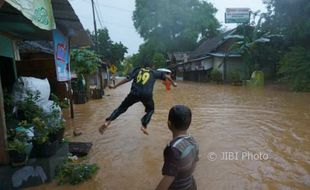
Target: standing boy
{"points": [[181, 154], [141, 91]]}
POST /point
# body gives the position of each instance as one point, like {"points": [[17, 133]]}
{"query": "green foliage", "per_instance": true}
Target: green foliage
{"points": [[216, 75], [40, 130], [44, 123], [175, 25], [62, 104], [84, 61], [159, 60], [295, 69], [18, 146], [127, 66], [29, 107], [234, 76], [290, 18], [111, 51], [18, 138], [75, 172], [8, 107]]}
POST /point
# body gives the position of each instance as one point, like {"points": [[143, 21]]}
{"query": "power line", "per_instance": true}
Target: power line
{"points": [[100, 15], [109, 6], [116, 8], [99, 18]]}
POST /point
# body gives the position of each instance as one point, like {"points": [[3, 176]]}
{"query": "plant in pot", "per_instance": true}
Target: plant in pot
{"points": [[17, 152], [18, 146], [27, 109], [55, 123], [42, 145]]}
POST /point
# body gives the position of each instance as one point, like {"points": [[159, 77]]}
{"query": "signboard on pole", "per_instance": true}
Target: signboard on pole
{"points": [[61, 56], [237, 15], [113, 69]]}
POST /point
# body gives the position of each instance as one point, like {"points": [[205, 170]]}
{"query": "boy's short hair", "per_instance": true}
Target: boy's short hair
{"points": [[180, 117]]}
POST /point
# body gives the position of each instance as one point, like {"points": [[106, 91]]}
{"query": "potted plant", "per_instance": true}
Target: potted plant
{"points": [[42, 145], [18, 152], [55, 123]]}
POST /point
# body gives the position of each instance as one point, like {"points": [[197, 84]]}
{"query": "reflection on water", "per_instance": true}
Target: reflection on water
{"points": [[225, 119]]}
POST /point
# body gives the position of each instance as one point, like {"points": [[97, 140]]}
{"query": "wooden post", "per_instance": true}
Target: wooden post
{"points": [[3, 153], [71, 100]]}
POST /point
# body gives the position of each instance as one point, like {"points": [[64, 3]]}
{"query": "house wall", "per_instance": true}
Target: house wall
{"points": [[3, 153], [207, 63], [234, 63], [218, 64], [198, 76], [42, 65]]}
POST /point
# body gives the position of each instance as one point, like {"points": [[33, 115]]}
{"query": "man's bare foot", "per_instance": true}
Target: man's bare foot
{"points": [[104, 127], [143, 129], [76, 133]]}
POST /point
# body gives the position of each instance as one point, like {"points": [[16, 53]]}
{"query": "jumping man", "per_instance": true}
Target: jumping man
{"points": [[141, 91]]}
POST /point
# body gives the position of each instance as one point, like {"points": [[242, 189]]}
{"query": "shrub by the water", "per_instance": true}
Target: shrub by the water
{"points": [[295, 69]]}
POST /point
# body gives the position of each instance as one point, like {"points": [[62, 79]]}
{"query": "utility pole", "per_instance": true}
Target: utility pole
{"points": [[97, 48]]}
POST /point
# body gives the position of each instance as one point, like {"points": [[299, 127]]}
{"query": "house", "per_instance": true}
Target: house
{"points": [[18, 22], [214, 53]]}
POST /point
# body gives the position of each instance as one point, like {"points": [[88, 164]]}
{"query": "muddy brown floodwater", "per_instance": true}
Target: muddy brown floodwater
{"points": [[256, 138]]}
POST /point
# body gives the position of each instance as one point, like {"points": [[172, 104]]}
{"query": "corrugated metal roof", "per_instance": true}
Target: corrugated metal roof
{"points": [[210, 45]]}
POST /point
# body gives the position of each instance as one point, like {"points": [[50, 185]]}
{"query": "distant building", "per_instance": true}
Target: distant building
{"points": [[214, 53]]}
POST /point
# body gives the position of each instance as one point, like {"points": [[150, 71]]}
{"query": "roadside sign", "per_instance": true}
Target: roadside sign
{"points": [[237, 15], [113, 69]]}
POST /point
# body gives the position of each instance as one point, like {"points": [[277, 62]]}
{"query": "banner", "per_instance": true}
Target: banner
{"points": [[40, 12], [62, 56]]}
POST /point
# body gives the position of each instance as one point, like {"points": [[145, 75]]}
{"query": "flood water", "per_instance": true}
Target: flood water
{"points": [[241, 122]]}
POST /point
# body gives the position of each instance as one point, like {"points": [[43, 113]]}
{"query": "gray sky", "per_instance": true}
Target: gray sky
{"points": [[116, 15]]}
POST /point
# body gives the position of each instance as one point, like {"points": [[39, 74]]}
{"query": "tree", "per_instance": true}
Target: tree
{"points": [[159, 60], [292, 19], [84, 62], [295, 69], [114, 52], [174, 25]]}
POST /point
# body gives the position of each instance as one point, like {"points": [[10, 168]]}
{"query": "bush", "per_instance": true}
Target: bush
{"points": [[295, 69], [234, 76], [75, 171], [216, 75]]}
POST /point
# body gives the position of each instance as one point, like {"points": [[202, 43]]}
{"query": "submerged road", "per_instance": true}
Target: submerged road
{"points": [[249, 138]]}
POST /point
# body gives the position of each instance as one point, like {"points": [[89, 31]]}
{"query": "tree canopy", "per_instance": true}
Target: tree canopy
{"points": [[174, 25], [291, 18], [114, 52]]}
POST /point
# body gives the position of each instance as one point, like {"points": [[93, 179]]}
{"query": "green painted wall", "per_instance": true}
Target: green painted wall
{"points": [[6, 47]]}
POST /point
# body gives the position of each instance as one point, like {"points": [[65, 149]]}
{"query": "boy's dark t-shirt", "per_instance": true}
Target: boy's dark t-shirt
{"points": [[180, 157], [144, 80]]}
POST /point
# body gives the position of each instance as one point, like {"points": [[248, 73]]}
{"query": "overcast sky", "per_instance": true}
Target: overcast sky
{"points": [[116, 15]]}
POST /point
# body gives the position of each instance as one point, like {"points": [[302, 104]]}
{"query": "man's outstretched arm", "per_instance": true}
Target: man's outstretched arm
{"points": [[171, 80], [125, 80]]}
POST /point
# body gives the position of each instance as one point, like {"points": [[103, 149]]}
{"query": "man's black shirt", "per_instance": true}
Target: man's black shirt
{"points": [[144, 80]]}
